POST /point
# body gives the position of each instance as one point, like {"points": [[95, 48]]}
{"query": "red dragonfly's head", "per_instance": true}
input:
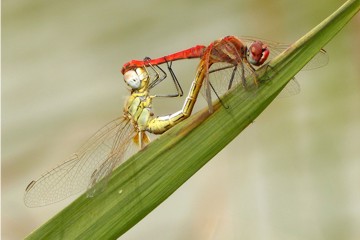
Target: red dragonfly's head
{"points": [[257, 53]]}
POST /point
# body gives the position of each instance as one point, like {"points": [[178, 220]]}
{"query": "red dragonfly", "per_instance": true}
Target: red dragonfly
{"points": [[231, 59]]}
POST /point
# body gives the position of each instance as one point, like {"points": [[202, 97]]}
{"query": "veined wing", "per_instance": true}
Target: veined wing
{"points": [[224, 76], [95, 160]]}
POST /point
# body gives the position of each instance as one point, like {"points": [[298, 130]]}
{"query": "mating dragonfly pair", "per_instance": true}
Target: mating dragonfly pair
{"points": [[232, 58]]}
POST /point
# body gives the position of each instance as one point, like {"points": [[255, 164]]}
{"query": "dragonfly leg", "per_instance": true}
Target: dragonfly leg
{"points": [[157, 79], [243, 79], [179, 91], [232, 77], [218, 97], [141, 139], [253, 72]]}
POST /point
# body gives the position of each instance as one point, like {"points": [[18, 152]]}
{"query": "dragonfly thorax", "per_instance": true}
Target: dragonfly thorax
{"points": [[138, 109]]}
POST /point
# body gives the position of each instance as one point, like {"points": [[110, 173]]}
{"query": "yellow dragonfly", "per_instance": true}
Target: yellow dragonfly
{"points": [[110, 146]]}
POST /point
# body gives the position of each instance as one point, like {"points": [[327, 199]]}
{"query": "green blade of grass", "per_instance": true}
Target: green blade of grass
{"points": [[153, 174]]}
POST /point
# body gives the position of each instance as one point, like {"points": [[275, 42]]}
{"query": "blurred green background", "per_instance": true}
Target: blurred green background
{"points": [[293, 174]]}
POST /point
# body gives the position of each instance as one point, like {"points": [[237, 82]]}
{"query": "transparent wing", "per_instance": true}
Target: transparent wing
{"points": [[224, 76], [95, 160], [221, 73]]}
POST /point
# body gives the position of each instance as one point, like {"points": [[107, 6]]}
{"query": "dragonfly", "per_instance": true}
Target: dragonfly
{"points": [[232, 59], [114, 142]]}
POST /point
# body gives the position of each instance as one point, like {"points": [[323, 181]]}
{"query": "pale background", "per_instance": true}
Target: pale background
{"points": [[293, 174]]}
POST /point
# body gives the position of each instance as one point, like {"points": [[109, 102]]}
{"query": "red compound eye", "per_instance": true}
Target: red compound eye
{"points": [[258, 53]]}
